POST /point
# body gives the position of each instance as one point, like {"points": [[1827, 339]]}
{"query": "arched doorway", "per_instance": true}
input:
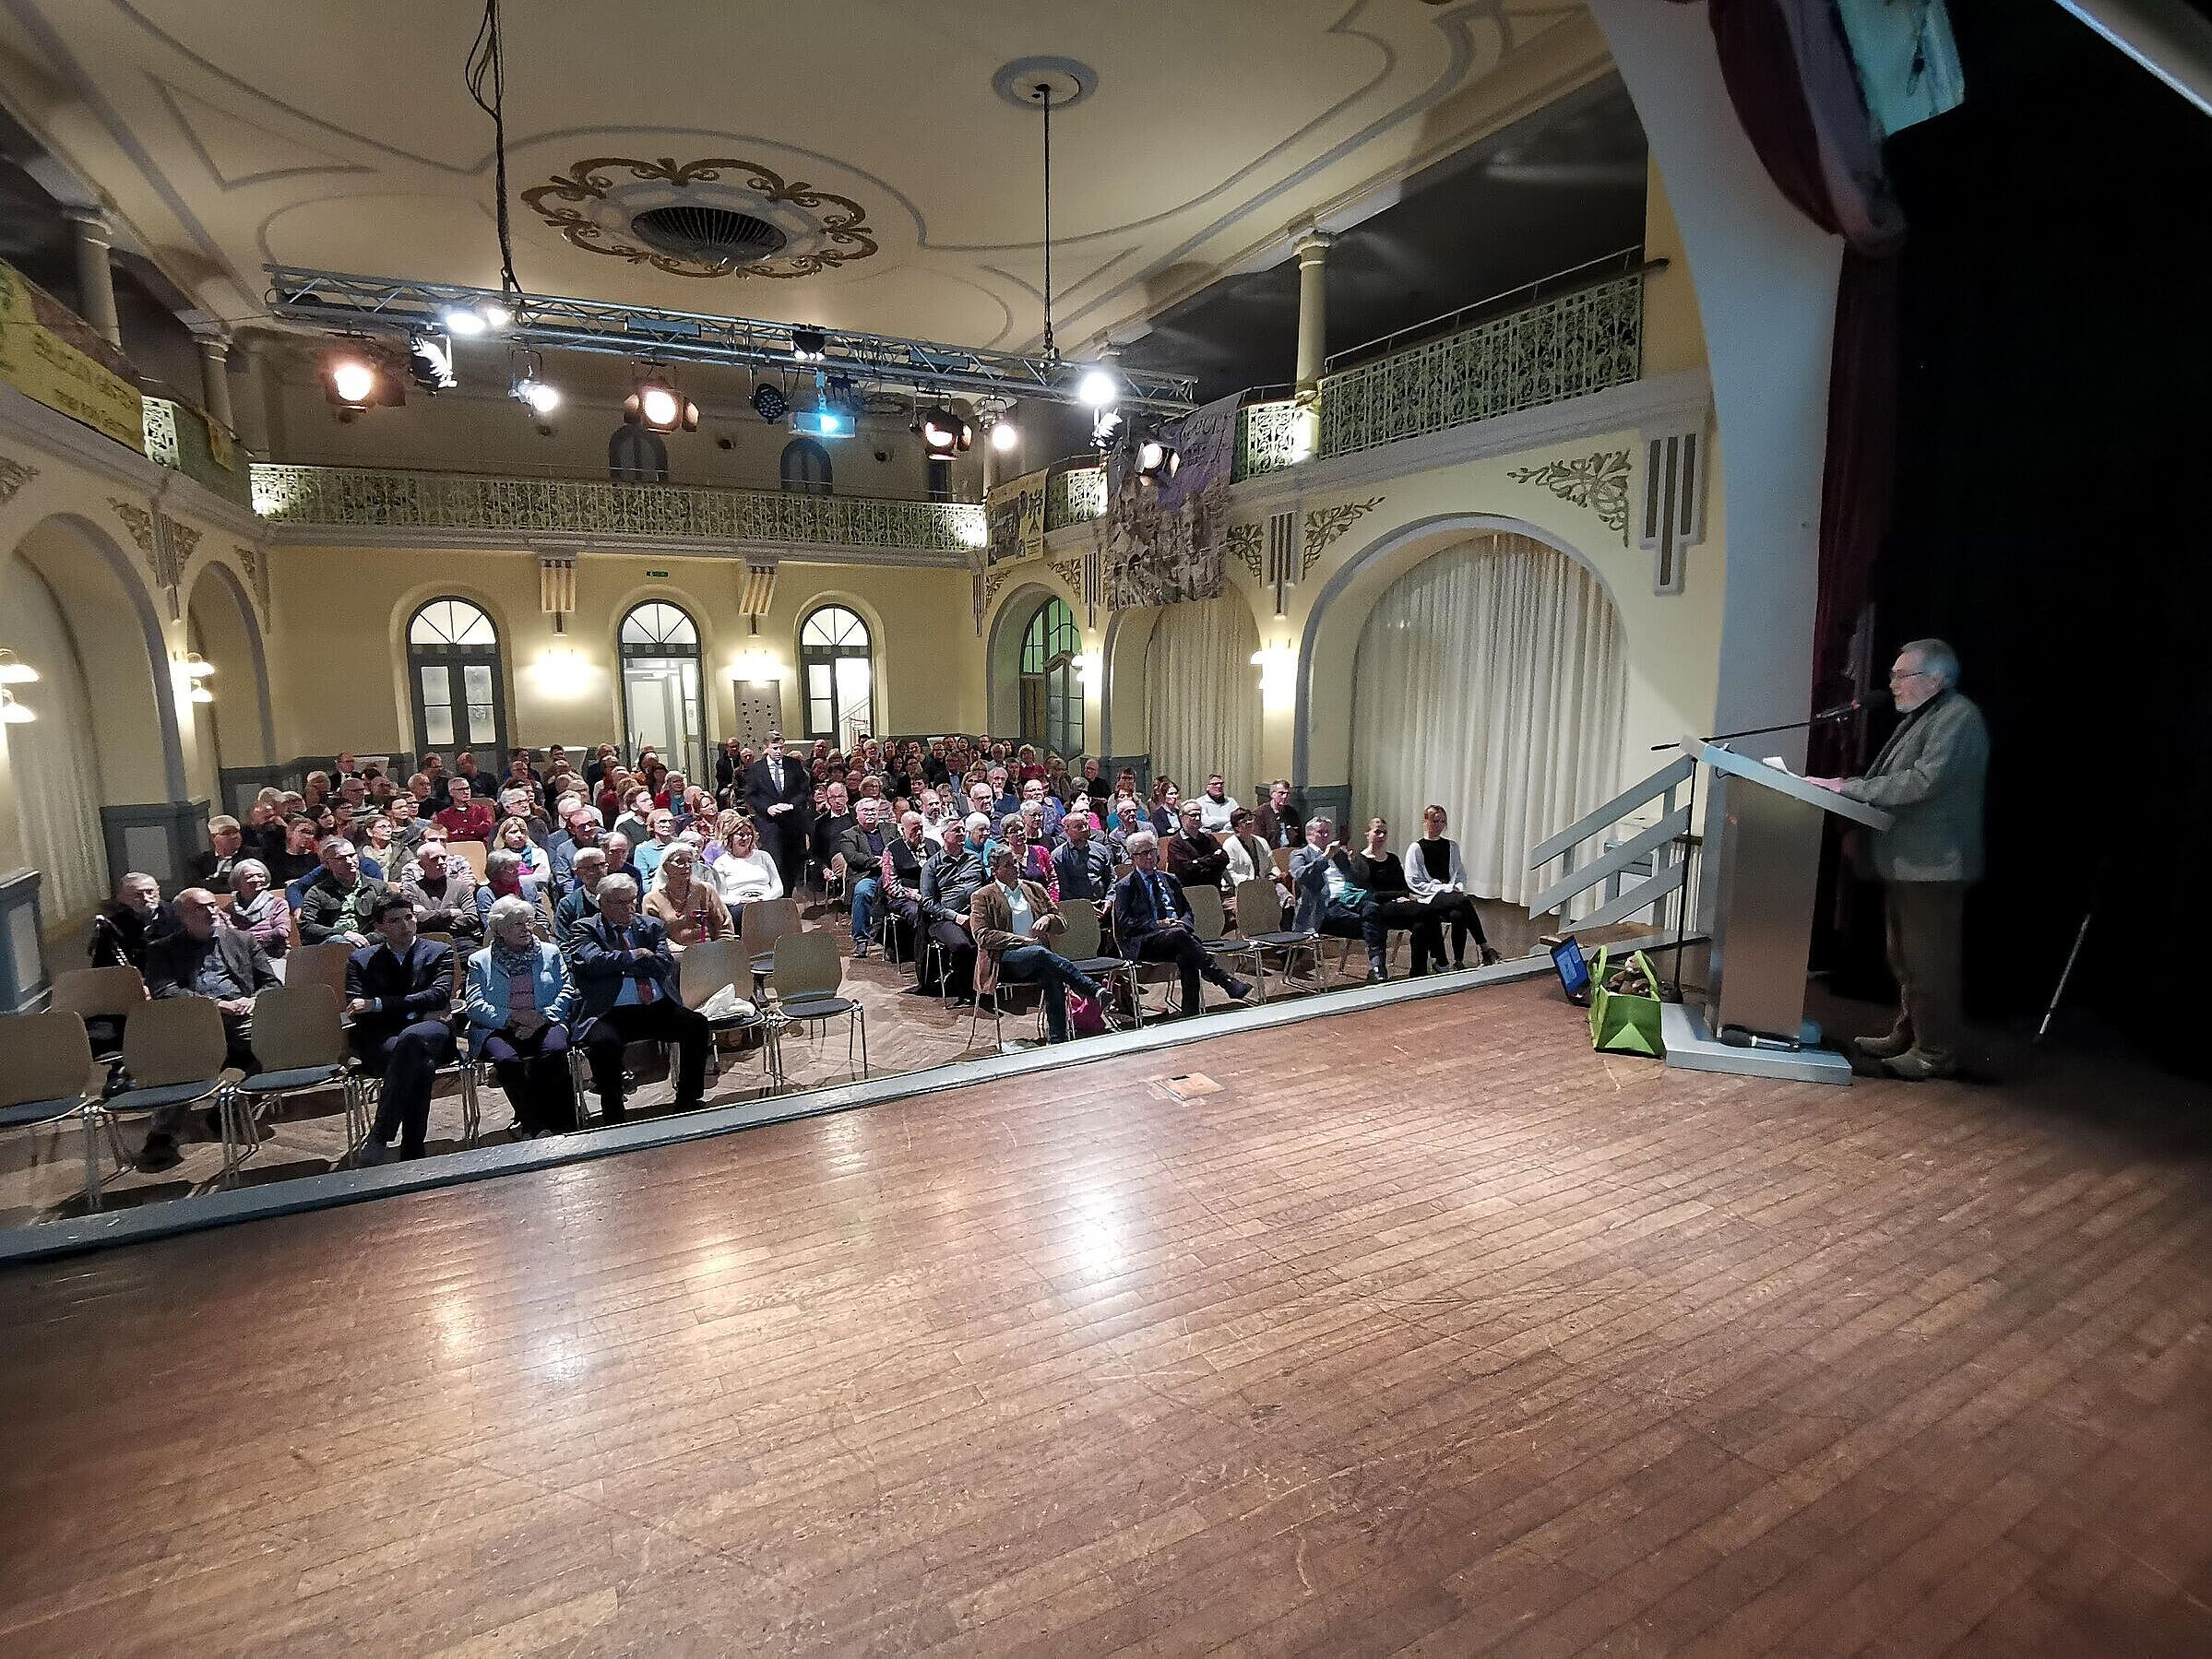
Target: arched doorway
{"points": [[1491, 679], [837, 665], [454, 678], [1202, 697], [233, 729], [659, 648], [1052, 689], [804, 469]]}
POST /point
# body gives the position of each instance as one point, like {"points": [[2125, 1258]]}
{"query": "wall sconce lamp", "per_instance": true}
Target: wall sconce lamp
{"points": [[755, 666], [13, 713], [1088, 664], [15, 671], [1278, 672]]}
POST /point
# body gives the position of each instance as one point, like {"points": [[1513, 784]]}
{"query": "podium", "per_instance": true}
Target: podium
{"points": [[1768, 871]]}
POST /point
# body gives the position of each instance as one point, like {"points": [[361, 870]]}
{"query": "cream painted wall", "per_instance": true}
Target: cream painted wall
{"points": [[338, 652]]}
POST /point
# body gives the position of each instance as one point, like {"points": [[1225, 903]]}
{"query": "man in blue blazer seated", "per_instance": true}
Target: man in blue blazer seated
{"points": [[628, 978], [400, 995], [1153, 923]]}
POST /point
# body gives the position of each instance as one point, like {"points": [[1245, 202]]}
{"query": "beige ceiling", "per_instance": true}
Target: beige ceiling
{"points": [[230, 132]]}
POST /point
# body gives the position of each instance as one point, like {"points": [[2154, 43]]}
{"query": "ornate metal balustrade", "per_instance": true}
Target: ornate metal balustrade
{"points": [[1267, 439], [356, 497], [179, 436], [1074, 496], [1580, 343]]}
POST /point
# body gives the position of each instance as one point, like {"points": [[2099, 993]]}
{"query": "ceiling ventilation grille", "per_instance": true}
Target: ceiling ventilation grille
{"points": [[711, 235]]}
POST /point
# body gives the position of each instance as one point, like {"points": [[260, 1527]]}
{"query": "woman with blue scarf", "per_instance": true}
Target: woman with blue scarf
{"points": [[518, 997]]}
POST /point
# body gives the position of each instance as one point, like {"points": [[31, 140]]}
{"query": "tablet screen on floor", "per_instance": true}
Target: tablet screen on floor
{"points": [[1573, 972]]}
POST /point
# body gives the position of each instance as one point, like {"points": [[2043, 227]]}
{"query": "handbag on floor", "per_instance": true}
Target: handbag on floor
{"points": [[1623, 1021], [1084, 1017]]}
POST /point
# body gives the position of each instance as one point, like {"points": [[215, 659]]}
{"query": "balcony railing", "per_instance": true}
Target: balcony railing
{"points": [[365, 498], [1580, 343], [1075, 496], [179, 436]]}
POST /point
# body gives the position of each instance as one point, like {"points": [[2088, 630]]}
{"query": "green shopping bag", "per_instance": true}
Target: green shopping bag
{"points": [[1621, 1023]]}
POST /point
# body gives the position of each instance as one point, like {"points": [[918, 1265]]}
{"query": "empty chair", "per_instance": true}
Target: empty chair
{"points": [[711, 966], [471, 853], [1259, 914], [767, 920], [323, 964], [300, 1042], [174, 1049], [1079, 943], [1211, 927], [49, 1078], [105, 998], [806, 976]]}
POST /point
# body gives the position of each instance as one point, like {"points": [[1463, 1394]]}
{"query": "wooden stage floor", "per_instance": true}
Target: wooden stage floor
{"points": [[1424, 1328]]}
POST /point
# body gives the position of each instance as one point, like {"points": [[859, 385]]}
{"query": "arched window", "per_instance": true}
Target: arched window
{"points": [[806, 470], [453, 676], [833, 657], [636, 457], [1051, 692], [659, 648]]}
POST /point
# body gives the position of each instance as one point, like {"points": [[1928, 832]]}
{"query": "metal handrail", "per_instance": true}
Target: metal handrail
{"points": [[1585, 274], [1668, 875]]}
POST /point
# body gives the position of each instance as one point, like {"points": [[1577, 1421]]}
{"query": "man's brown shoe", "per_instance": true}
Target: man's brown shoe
{"points": [[1912, 1066], [1882, 1048]]}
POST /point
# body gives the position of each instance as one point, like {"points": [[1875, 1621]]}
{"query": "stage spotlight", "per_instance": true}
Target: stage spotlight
{"points": [[823, 423], [1006, 437], [769, 401], [944, 435], [430, 362], [658, 407], [1098, 388], [527, 384], [461, 320], [1156, 461], [809, 345], [496, 315], [354, 381], [1106, 430]]}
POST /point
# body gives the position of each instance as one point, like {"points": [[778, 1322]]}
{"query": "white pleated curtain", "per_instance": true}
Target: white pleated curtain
{"points": [[1490, 679], [1202, 694], [55, 760]]}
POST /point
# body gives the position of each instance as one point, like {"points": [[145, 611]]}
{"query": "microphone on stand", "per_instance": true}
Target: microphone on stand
{"points": [[1845, 710]]}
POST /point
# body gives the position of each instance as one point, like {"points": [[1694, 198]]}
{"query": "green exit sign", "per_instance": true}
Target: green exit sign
{"points": [[661, 574]]}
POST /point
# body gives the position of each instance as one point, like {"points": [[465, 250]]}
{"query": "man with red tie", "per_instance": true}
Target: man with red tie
{"points": [[628, 976]]}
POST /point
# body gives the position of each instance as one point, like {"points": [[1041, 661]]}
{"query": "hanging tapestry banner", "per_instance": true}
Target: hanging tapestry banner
{"points": [[39, 359], [1014, 514]]}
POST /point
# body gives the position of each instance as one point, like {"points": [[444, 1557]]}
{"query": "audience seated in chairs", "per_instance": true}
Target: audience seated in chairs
{"points": [[745, 871], [443, 893], [1438, 880], [123, 929], [1083, 864], [204, 959], [827, 829], [513, 835], [1249, 859], [465, 818], [212, 867], [906, 857], [339, 904], [1340, 891], [648, 854], [504, 878], [685, 904], [581, 900], [1153, 923], [400, 996], [582, 830], [519, 998], [858, 860], [629, 994], [257, 908], [1195, 857], [949, 884], [1012, 922], [1215, 807]]}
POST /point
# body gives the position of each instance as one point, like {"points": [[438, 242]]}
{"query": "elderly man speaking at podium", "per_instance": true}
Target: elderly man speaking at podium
{"points": [[1930, 777]]}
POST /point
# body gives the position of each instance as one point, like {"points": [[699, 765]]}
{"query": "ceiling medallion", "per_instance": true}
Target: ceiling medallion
{"points": [[713, 217]]}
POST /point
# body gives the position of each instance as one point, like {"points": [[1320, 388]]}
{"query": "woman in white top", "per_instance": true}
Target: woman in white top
{"points": [[1438, 879], [743, 872]]}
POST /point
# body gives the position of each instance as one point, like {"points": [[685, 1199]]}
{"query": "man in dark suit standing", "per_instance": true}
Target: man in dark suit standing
{"points": [[1929, 775], [780, 793], [399, 993], [1153, 923], [628, 977]]}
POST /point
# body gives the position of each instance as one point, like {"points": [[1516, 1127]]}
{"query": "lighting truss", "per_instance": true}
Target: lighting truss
{"points": [[355, 303]]}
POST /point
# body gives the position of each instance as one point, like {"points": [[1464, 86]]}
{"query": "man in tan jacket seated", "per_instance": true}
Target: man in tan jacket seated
{"points": [[1929, 775], [1011, 920]]}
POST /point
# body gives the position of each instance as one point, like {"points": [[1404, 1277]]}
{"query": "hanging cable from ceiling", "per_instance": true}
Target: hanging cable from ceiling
{"points": [[1044, 96], [487, 69]]}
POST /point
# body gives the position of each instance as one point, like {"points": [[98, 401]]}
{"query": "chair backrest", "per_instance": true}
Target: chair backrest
{"points": [[173, 1039], [49, 1057], [1080, 942], [1259, 906], [471, 853], [710, 964], [1282, 855], [297, 1024], [766, 921], [1204, 900], [98, 993], [807, 964], [318, 964]]}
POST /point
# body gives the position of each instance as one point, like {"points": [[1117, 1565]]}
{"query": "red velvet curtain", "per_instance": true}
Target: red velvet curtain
{"points": [[1789, 76]]}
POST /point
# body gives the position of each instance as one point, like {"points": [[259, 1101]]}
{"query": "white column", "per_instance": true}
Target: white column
{"points": [[215, 379], [95, 277], [1313, 307]]}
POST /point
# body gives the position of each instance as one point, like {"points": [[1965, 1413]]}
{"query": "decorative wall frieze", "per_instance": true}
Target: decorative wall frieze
{"points": [[1671, 520], [1241, 543], [139, 523], [1324, 526], [1598, 482], [255, 563], [14, 475]]}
